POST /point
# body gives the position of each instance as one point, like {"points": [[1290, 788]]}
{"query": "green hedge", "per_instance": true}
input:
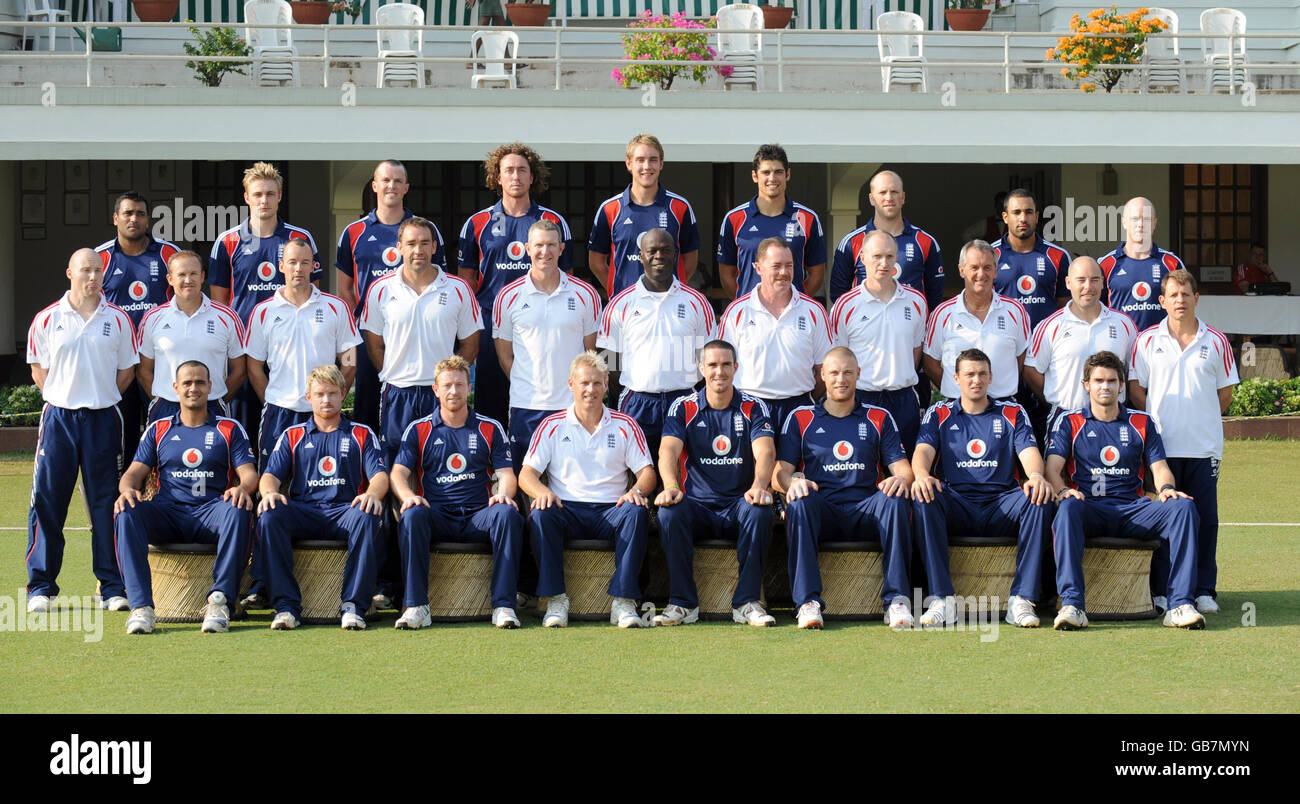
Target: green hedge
{"points": [[1261, 397], [20, 406]]}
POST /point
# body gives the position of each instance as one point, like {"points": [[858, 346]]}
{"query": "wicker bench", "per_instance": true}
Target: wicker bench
{"points": [[982, 568], [182, 577], [588, 566], [460, 582], [318, 566], [852, 579], [716, 575], [1117, 578]]}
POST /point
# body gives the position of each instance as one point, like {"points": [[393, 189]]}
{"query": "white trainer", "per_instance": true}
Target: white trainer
{"points": [[216, 617], [941, 612], [115, 603], [1070, 618], [622, 612], [504, 617], [382, 602], [284, 621], [38, 604], [413, 619], [899, 615], [1161, 604], [810, 615], [1020, 612], [1207, 605], [753, 613], [677, 615], [557, 612], [1185, 616], [349, 619], [141, 621]]}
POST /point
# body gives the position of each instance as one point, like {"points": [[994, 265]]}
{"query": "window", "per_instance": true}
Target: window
{"points": [[1218, 211]]}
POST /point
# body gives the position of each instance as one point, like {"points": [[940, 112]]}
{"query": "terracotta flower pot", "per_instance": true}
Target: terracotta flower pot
{"points": [[155, 10], [310, 12], [966, 19], [776, 16], [528, 15]]}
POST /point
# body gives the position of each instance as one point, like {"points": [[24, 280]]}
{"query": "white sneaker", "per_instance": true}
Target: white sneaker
{"points": [[216, 617], [413, 619], [115, 603], [350, 619], [38, 604], [381, 602], [284, 621], [557, 612], [677, 615], [1070, 618], [1020, 612], [141, 621], [941, 612], [526, 603], [1207, 605], [899, 615], [1185, 616], [810, 615], [622, 612], [754, 614], [504, 617], [1161, 604]]}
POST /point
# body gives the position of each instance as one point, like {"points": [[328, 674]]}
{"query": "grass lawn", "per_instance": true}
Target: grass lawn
{"points": [[593, 667]]}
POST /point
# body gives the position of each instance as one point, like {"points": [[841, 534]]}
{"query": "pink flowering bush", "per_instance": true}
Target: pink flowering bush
{"points": [[649, 41]]}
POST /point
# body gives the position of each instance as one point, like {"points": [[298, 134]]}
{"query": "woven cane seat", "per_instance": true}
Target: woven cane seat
{"points": [[182, 578], [1117, 578], [716, 574], [588, 567], [852, 578], [460, 581], [318, 566], [983, 569]]}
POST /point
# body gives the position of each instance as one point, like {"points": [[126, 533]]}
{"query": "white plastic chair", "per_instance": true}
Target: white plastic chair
{"points": [[903, 54], [741, 51], [273, 50], [40, 11], [496, 45], [1217, 53], [1162, 66], [399, 50]]}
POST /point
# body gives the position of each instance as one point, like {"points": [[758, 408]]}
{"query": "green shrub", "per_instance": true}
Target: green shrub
{"points": [[20, 406], [1262, 397]]}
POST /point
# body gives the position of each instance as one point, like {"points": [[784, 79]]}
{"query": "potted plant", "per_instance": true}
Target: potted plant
{"points": [[311, 12], [528, 13], [350, 7], [216, 42], [155, 10], [1089, 54], [966, 15], [776, 15], [646, 42]]}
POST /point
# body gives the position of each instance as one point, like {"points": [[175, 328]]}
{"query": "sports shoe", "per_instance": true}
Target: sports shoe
{"points": [[1207, 605], [941, 612], [382, 601], [754, 614], [413, 619], [115, 603], [622, 612], [557, 612], [899, 615], [526, 603], [216, 617], [1185, 616], [1070, 618], [1020, 612], [504, 617], [810, 615], [284, 621], [351, 621], [141, 621], [252, 602], [38, 604], [676, 615], [1161, 603]]}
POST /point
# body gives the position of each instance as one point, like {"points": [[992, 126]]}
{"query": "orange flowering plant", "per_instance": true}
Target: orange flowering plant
{"points": [[1104, 39]]}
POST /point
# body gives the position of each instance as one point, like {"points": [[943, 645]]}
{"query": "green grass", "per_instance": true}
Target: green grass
{"points": [[849, 667]]}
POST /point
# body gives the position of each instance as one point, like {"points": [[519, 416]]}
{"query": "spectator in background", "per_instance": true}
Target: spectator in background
{"points": [[1254, 269]]}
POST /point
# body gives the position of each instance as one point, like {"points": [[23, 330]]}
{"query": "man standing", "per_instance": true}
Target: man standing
{"points": [[613, 250], [337, 485], [977, 318], [1183, 375], [976, 441], [1065, 339], [719, 444], [882, 321], [189, 327], [586, 452], [541, 321], [770, 214], [656, 326], [1106, 445], [920, 266], [368, 251], [829, 458], [780, 335], [492, 253], [443, 478], [1135, 268], [1031, 270], [82, 353], [196, 454]]}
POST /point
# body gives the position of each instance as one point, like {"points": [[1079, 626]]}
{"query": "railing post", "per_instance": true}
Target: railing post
{"points": [[90, 38], [1006, 63], [780, 61], [325, 59], [558, 31], [1232, 70]]}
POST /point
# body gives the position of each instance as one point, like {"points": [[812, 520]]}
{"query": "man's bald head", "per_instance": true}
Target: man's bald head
{"points": [[1084, 282], [884, 177], [1139, 221], [83, 256], [1084, 266], [657, 237]]}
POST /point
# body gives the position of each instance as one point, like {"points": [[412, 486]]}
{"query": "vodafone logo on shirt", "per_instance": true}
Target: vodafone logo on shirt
{"points": [[391, 256], [456, 463], [976, 448], [721, 445], [1026, 285], [1141, 291], [898, 270], [191, 457], [266, 271], [1109, 455], [327, 466], [137, 290], [842, 450], [515, 250]]}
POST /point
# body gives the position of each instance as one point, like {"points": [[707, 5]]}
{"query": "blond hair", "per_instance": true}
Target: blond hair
{"points": [[589, 359], [263, 171], [453, 363], [327, 375], [645, 139]]}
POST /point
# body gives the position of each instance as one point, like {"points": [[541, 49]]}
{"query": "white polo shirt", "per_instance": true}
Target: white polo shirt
{"points": [[81, 356], [883, 334], [419, 329], [776, 354], [169, 337], [1003, 335], [293, 340], [1183, 387], [657, 335], [588, 467], [547, 332], [1063, 342]]}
